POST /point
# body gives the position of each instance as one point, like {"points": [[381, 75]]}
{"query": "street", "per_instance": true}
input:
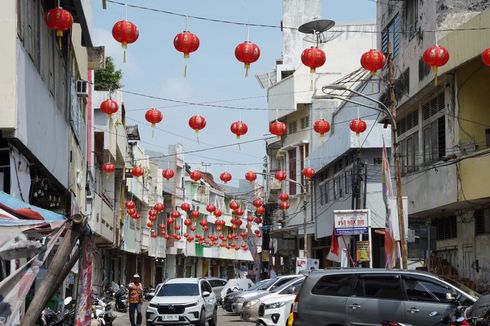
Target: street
{"points": [[224, 318]]}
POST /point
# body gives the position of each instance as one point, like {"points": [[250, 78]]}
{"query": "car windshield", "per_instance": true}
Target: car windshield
{"points": [[267, 284], [176, 290], [293, 282], [462, 287]]}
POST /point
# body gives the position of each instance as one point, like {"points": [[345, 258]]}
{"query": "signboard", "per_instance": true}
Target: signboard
{"points": [[362, 251], [351, 222], [306, 264]]}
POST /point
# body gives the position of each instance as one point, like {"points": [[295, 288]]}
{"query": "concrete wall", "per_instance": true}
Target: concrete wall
{"points": [[8, 65]]}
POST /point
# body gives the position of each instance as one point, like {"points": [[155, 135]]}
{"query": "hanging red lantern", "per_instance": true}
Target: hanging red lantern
{"points": [[238, 212], [250, 218], [152, 218], [239, 128], [131, 211], [313, 58], [321, 126], [149, 224], [176, 236], [358, 126], [219, 228], [435, 57], [260, 210], [244, 234], [225, 177], [176, 227], [166, 236], [203, 222], [125, 32], [234, 227], [192, 228], [59, 20], [187, 222], [373, 60], [168, 174], [185, 207], [197, 123], [175, 214], [153, 212], [217, 213], [233, 205], [210, 208], [258, 220], [257, 232], [109, 168], [485, 56], [129, 204], [185, 234], [195, 214], [247, 52], [137, 171], [161, 226], [244, 247], [153, 234], [109, 107], [251, 176], [258, 202], [190, 239], [280, 176], [153, 116], [186, 42], [284, 205], [159, 207], [196, 175], [283, 197], [308, 173], [277, 128], [170, 220]]}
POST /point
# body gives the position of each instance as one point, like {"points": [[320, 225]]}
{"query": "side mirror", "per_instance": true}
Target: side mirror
{"points": [[450, 298], [292, 290], [67, 301], [206, 294]]}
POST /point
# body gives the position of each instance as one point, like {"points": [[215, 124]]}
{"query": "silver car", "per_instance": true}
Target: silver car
{"points": [[217, 284], [369, 296]]}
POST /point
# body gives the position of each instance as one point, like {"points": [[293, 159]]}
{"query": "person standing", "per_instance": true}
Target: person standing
{"points": [[135, 300]]}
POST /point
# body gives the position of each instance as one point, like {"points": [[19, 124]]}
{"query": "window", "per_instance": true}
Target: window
{"points": [[292, 171], [382, 287], [296, 286], [207, 286], [304, 150], [425, 290], [434, 129], [280, 282], [336, 285], [482, 221], [446, 228], [409, 152], [216, 283], [412, 9], [178, 290], [305, 122], [391, 35], [292, 127]]}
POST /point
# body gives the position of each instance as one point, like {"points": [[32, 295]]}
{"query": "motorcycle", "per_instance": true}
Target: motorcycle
{"points": [[51, 318], [121, 296], [149, 293], [103, 312]]}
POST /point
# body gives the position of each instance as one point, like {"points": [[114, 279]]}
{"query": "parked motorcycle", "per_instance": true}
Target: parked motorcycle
{"points": [[121, 296], [51, 318], [103, 312]]}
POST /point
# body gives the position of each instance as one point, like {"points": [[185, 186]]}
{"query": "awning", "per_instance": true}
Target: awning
{"points": [[22, 210]]}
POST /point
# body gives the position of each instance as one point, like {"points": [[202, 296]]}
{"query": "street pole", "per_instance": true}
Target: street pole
{"points": [[305, 218], [396, 156]]}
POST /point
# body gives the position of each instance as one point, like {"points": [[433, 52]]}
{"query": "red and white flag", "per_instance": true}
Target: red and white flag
{"points": [[389, 243]]}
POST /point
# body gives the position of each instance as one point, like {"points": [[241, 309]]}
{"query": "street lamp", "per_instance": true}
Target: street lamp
{"points": [[391, 114]]}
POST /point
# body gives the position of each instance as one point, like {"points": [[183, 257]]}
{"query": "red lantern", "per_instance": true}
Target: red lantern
{"points": [[217, 213], [161, 226], [137, 171], [168, 174], [153, 116], [186, 42], [152, 212], [258, 202], [159, 207], [176, 227], [129, 204], [358, 126], [176, 236], [153, 234], [284, 196], [435, 57], [187, 222], [234, 227], [166, 236], [321, 126], [185, 207], [196, 175], [277, 128], [257, 232], [239, 128], [260, 210], [485, 56], [225, 177], [258, 220], [162, 232], [190, 239], [185, 234], [247, 52], [373, 60], [218, 228], [59, 20], [238, 212], [244, 246], [203, 222], [313, 58], [210, 208], [251, 176], [125, 32], [131, 211], [195, 214], [175, 214], [170, 220], [233, 205], [280, 176], [109, 168], [250, 218], [244, 234], [149, 224], [109, 107], [308, 173], [152, 218], [197, 123], [192, 228], [284, 205]]}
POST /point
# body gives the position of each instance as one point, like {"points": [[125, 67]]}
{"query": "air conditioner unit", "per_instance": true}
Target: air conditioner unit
{"points": [[82, 88]]}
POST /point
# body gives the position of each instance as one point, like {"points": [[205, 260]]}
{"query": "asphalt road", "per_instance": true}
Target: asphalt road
{"points": [[224, 318]]}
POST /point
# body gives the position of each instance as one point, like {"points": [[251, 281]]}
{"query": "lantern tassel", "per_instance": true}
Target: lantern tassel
{"points": [[59, 34], [247, 66], [124, 46], [185, 71]]}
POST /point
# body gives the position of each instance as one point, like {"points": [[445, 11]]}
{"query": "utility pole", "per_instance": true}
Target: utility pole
{"points": [[305, 220], [396, 156]]}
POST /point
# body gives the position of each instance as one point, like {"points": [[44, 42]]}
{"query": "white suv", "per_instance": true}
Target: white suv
{"points": [[183, 301]]}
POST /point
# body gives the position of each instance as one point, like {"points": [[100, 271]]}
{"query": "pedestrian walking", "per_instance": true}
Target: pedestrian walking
{"points": [[135, 300]]}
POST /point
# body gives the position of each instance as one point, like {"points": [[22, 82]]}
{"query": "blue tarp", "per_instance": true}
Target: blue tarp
{"points": [[15, 203]]}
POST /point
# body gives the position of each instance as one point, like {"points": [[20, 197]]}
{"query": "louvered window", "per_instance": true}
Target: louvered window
{"points": [[392, 35]]}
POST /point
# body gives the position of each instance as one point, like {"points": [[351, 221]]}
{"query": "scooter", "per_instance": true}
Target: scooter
{"points": [[103, 312], [121, 296], [51, 318]]}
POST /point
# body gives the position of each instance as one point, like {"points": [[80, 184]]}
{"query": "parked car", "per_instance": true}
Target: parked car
{"points": [[231, 296], [239, 284], [217, 284], [267, 287], [183, 301], [275, 310], [369, 296], [251, 307]]}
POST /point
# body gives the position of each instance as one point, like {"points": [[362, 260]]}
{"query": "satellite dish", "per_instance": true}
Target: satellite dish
{"points": [[322, 37], [318, 29]]}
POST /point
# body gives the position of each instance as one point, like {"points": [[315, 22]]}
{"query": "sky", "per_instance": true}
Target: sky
{"points": [[154, 67]]}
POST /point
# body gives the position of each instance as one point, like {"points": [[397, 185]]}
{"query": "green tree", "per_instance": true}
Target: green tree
{"points": [[108, 78]]}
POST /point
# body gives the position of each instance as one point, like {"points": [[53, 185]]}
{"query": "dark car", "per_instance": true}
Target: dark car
{"points": [[368, 296]]}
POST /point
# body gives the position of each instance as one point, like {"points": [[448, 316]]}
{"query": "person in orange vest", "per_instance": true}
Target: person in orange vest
{"points": [[135, 299]]}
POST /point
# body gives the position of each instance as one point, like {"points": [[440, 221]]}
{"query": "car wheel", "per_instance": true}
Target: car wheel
{"points": [[214, 321], [202, 318]]}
